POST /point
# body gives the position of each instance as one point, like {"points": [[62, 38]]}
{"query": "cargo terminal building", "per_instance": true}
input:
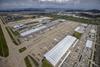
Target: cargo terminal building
{"points": [[57, 55], [38, 29]]}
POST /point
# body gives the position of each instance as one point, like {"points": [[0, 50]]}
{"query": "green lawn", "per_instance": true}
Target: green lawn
{"points": [[45, 63], [87, 21], [4, 51], [34, 61], [16, 33], [27, 62], [11, 36], [77, 35], [22, 49]]}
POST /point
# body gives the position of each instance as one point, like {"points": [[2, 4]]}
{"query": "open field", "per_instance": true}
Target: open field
{"points": [[87, 21], [22, 49], [45, 63], [30, 62], [9, 32], [34, 61], [97, 52], [77, 35], [27, 62], [4, 51]]}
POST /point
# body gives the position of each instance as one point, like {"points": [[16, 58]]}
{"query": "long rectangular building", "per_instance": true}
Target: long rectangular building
{"points": [[56, 53], [26, 33], [23, 34]]}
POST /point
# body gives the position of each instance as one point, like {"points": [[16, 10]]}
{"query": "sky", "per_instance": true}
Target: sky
{"points": [[68, 4]]}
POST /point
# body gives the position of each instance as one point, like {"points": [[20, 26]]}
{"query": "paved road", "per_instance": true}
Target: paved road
{"points": [[14, 59]]}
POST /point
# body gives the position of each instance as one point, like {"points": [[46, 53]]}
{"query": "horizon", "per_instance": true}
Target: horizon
{"points": [[66, 4]]}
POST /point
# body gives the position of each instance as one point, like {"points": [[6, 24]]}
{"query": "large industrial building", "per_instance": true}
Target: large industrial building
{"points": [[81, 28], [37, 29], [56, 53], [32, 31], [89, 43]]}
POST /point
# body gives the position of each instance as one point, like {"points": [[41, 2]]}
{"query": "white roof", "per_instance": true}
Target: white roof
{"points": [[75, 43], [55, 54], [80, 29], [84, 25], [32, 31], [18, 25], [89, 43], [92, 31], [64, 58]]}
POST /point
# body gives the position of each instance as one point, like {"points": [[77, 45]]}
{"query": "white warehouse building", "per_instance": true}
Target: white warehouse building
{"points": [[89, 43], [57, 52], [26, 33], [81, 28]]}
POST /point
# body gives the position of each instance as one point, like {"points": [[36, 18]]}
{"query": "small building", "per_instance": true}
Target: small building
{"points": [[92, 31], [81, 28], [89, 43], [85, 25]]}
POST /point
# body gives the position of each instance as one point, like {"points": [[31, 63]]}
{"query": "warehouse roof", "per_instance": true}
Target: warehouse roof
{"points": [[89, 43], [18, 26], [55, 54], [32, 31], [80, 29]]}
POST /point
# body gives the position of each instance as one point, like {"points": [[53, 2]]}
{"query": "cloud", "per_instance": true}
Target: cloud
{"points": [[10, 4], [16, 4], [56, 1]]}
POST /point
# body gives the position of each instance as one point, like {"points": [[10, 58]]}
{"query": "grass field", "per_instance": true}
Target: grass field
{"points": [[16, 33], [45, 63], [87, 21], [34, 61], [22, 49], [11, 36], [77, 35], [27, 62], [4, 51]]}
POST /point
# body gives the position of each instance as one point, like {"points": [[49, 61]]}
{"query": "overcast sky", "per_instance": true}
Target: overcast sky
{"points": [[73, 4]]}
